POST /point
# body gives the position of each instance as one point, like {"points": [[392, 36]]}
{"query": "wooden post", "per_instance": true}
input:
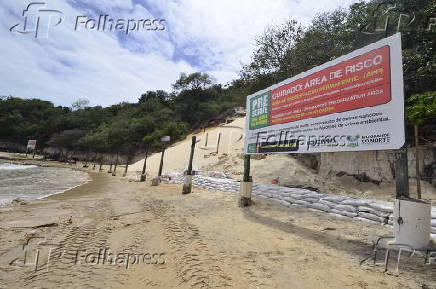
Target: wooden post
{"points": [[246, 185], [101, 164], [218, 143], [144, 167], [127, 166], [187, 186], [207, 139], [418, 174], [114, 173], [94, 161], [112, 162], [161, 163], [401, 174]]}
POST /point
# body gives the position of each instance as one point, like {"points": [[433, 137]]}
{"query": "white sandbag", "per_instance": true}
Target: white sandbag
{"points": [[297, 196], [299, 206], [433, 223], [316, 210], [313, 195], [346, 208], [371, 217], [311, 200], [365, 220], [382, 206], [337, 215], [321, 207], [328, 203], [335, 198], [343, 213], [302, 203], [290, 200], [355, 202], [369, 210], [433, 236]]}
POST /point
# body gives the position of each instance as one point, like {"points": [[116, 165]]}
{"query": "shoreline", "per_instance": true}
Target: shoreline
{"points": [[18, 160]]}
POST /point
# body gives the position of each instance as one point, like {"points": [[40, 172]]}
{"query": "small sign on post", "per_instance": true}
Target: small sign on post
{"points": [[165, 139], [31, 145]]}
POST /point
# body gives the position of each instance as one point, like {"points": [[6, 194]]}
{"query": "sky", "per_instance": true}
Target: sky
{"points": [[65, 63]]}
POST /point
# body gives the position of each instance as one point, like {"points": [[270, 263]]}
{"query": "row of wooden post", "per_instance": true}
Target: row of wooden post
{"points": [[401, 171]]}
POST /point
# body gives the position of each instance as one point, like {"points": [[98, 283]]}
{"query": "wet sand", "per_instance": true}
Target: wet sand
{"points": [[202, 240]]}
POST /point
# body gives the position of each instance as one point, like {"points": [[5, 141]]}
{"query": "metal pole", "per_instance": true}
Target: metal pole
{"points": [[418, 174], [187, 186]]}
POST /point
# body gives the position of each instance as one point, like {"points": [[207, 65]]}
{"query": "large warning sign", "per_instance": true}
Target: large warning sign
{"points": [[353, 103]]}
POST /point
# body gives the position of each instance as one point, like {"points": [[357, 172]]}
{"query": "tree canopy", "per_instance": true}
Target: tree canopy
{"points": [[282, 51]]}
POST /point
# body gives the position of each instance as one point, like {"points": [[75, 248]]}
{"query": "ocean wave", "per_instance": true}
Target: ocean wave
{"points": [[38, 183], [14, 167]]}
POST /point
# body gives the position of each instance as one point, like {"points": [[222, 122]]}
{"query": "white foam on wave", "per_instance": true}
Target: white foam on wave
{"points": [[14, 167]]}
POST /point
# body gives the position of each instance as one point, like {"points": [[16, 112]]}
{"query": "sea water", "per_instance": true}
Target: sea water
{"points": [[30, 182]]}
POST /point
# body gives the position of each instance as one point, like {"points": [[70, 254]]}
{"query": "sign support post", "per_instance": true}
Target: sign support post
{"points": [[418, 174], [187, 185], [246, 184], [401, 174]]}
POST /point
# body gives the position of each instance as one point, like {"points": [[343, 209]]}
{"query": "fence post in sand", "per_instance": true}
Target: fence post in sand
{"points": [[246, 185], [127, 166], [187, 185], [144, 167], [115, 168], [101, 164], [112, 162], [218, 143], [161, 163]]}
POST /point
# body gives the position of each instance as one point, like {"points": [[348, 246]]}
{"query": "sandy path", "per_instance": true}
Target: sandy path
{"points": [[205, 240]]}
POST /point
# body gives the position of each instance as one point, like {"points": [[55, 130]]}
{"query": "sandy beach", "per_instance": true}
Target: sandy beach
{"points": [[112, 233]]}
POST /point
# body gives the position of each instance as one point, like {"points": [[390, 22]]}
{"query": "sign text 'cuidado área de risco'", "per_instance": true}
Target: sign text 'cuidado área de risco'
{"points": [[353, 103]]}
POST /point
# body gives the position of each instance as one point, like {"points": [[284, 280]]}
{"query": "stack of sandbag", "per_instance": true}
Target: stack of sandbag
{"points": [[370, 211]]}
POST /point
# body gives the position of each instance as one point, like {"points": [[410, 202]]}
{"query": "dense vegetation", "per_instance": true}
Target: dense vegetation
{"points": [[281, 52]]}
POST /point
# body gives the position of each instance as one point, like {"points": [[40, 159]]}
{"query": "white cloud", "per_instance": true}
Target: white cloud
{"points": [[206, 35]]}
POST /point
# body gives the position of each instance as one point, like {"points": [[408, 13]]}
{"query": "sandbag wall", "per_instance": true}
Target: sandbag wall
{"points": [[370, 211]]}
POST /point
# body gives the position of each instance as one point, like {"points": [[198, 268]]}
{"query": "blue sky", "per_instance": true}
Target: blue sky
{"points": [[109, 67]]}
